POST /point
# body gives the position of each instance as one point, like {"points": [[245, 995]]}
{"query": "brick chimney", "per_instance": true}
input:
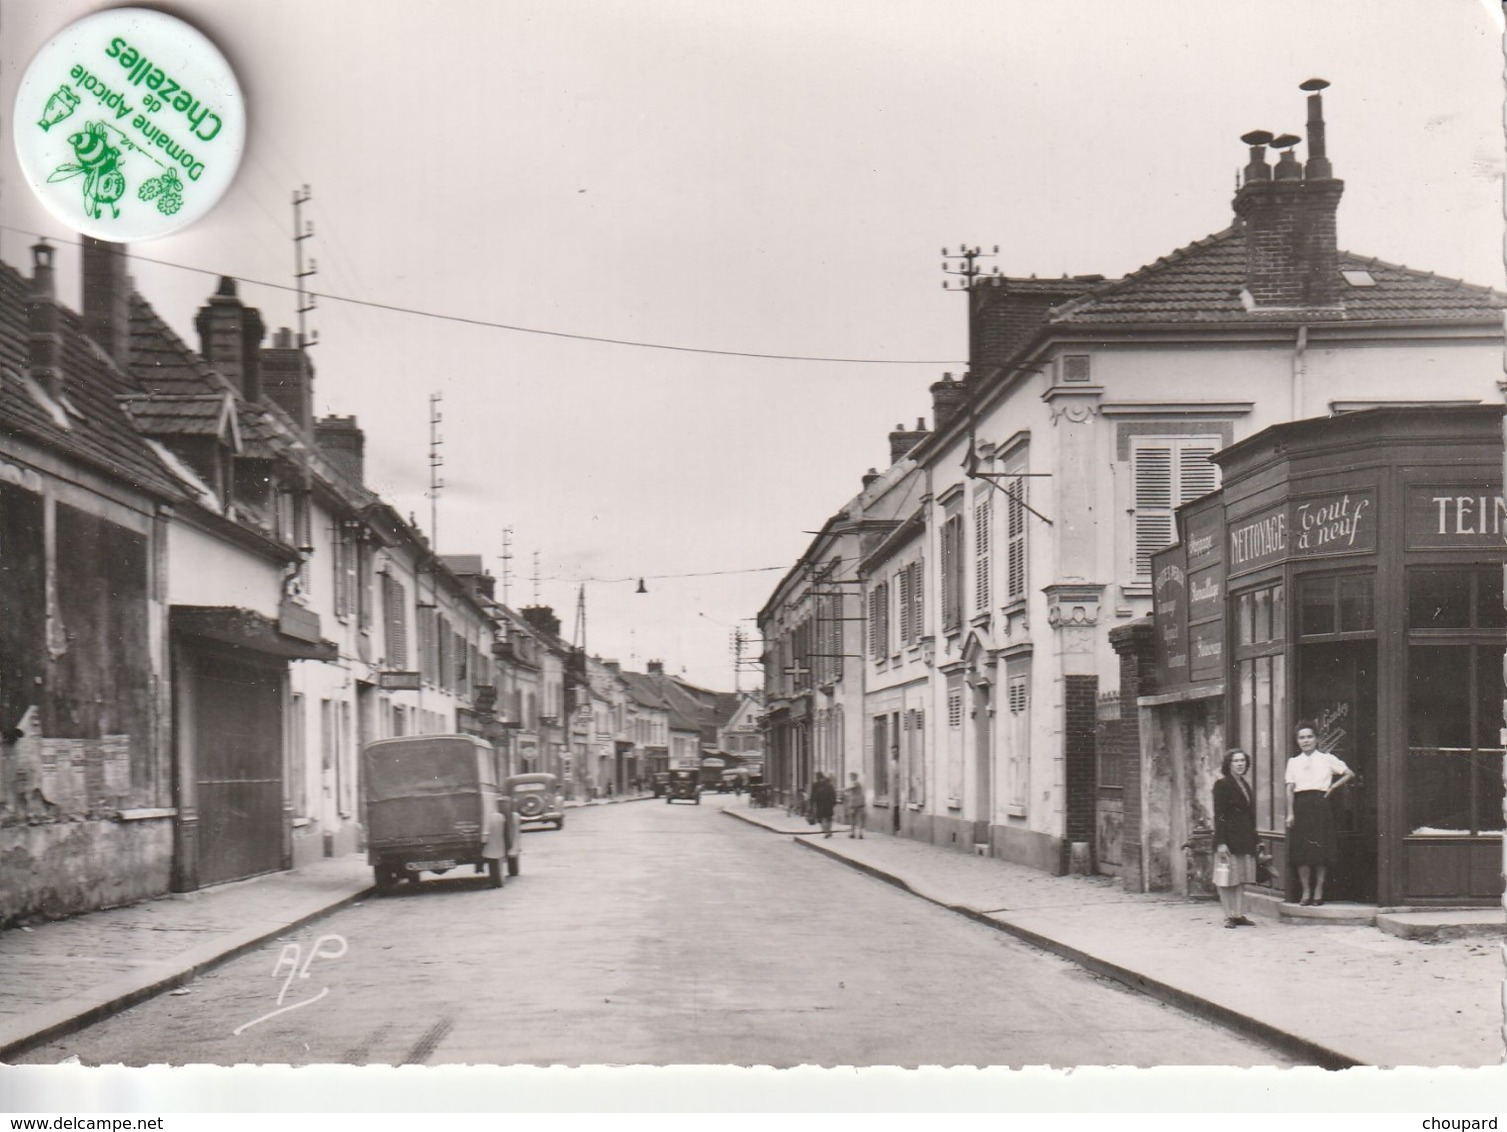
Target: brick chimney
{"points": [[946, 396], [1288, 214], [44, 344], [288, 379], [902, 440], [656, 668], [230, 337], [1006, 311], [343, 444], [107, 299], [870, 476], [541, 617]]}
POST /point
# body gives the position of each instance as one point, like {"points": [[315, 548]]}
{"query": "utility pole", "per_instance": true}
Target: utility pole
{"points": [[303, 230], [967, 269], [436, 461], [536, 586]]}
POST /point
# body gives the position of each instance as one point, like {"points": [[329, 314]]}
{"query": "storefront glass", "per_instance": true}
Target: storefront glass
{"points": [[1455, 692]]}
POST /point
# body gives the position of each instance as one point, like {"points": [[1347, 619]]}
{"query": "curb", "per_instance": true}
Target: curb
{"points": [[1300, 1047], [72, 1014]]}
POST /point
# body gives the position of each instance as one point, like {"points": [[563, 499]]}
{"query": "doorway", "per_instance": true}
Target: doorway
{"points": [[1337, 691]]}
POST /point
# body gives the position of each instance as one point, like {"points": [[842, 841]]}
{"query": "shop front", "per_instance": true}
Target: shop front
{"points": [[1349, 574]]}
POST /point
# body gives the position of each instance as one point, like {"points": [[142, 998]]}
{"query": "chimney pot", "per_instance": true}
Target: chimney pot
{"points": [[44, 350]]}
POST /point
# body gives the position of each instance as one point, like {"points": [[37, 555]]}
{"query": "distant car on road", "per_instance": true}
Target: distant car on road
{"points": [[536, 798], [432, 805], [684, 785]]}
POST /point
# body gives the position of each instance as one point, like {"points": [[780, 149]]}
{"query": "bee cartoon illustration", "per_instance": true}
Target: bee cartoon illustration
{"points": [[62, 103], [104, 184]]}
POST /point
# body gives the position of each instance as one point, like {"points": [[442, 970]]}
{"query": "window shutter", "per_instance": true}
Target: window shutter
{"points": [[905, 585], [1167, 474], [981, 557], [1015, 542], [1152, 469], [874, 651], [918, 600], [1197, 474]]}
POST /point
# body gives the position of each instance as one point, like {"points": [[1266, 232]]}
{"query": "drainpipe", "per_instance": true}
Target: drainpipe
{"points": [[1299, 371]]}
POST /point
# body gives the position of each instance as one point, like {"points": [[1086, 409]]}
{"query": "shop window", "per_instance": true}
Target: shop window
{"points": [[1455, 599], [1336, 604], [1260, 696], [1455, 694]]}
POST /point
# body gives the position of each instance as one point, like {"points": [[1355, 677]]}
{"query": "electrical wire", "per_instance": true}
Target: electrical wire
{"points": [[661, 577], [490, 324]]}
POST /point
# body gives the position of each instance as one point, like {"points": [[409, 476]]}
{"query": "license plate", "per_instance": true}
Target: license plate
{"points": [[428, 866]]}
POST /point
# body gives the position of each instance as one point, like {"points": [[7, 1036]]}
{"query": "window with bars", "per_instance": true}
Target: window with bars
{"points": [[1166, 472], [981, 536], [395, 621], [952, 573]]}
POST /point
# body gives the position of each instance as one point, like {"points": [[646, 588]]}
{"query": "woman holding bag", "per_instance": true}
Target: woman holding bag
{"points": [[1234, 837]]}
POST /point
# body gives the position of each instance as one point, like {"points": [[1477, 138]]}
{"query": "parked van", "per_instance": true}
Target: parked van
{"points": [[432, 805]]}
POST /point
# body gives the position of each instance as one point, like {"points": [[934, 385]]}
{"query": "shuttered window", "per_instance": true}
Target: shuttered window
{"points": [[981, 513], [904, 582], [879, 621], [952, 573], [1015, 531], [1167, 473], [395, 621], [915, 622]]}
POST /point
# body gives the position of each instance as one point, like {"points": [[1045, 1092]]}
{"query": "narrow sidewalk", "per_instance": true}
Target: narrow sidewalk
{"points": [[1336, 995]]}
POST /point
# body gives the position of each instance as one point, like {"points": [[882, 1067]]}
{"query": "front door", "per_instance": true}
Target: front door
{"points": [[238, 725], [1337, 692]]}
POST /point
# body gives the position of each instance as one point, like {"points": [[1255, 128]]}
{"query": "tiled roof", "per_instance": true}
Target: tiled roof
{"points": [[1201, 283], [97, 432], [160, 361], [194, 414]]}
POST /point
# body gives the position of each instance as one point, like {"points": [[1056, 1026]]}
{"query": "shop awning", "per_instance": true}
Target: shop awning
{"points": [[247, 629]]}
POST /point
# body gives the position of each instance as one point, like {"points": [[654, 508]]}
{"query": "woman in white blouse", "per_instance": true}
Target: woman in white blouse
{"points": [[1312, 775]]}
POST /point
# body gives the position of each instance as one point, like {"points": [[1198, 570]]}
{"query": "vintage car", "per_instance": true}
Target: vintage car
{"points": [[684, 785], [536, 798], [660, 782], [432, 805]]}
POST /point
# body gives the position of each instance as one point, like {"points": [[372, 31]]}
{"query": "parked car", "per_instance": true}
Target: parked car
{"points": [[685, 785], [432, 805], [660, 782], [536, 798]]}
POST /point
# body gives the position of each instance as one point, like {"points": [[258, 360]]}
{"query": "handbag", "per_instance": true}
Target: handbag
{"points": [[1223, 874]]}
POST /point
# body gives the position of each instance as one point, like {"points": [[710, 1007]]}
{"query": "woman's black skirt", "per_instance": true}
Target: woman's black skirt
{"points": [[1313, 839]]}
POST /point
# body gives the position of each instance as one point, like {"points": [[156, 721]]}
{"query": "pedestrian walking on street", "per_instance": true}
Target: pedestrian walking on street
{"points": [[1312, 775], [857, 812], [1234, 837], [823, 802]]}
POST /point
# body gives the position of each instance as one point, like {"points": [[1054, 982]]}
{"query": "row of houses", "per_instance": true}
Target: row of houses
{"points": [[971, 630], [208, 613]]}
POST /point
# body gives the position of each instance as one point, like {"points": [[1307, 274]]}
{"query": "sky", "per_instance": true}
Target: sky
{"points": [[774, 177]]}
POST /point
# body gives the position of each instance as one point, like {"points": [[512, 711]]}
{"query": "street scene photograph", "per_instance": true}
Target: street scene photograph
{"points": [[900, 536]]}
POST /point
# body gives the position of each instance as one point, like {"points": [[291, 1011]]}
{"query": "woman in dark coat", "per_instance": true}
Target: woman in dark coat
{"points": [[823, 802], [1234, 837]]}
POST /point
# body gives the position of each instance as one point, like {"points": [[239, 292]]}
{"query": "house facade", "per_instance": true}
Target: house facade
{"points": [[224, 614], [1091, 411]]}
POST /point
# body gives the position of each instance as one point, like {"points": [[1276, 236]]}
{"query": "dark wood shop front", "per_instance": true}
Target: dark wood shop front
{"points": [[1349, 573]]}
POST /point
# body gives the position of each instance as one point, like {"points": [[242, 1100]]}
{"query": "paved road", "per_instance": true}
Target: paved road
{"points": [[647, 933]]}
